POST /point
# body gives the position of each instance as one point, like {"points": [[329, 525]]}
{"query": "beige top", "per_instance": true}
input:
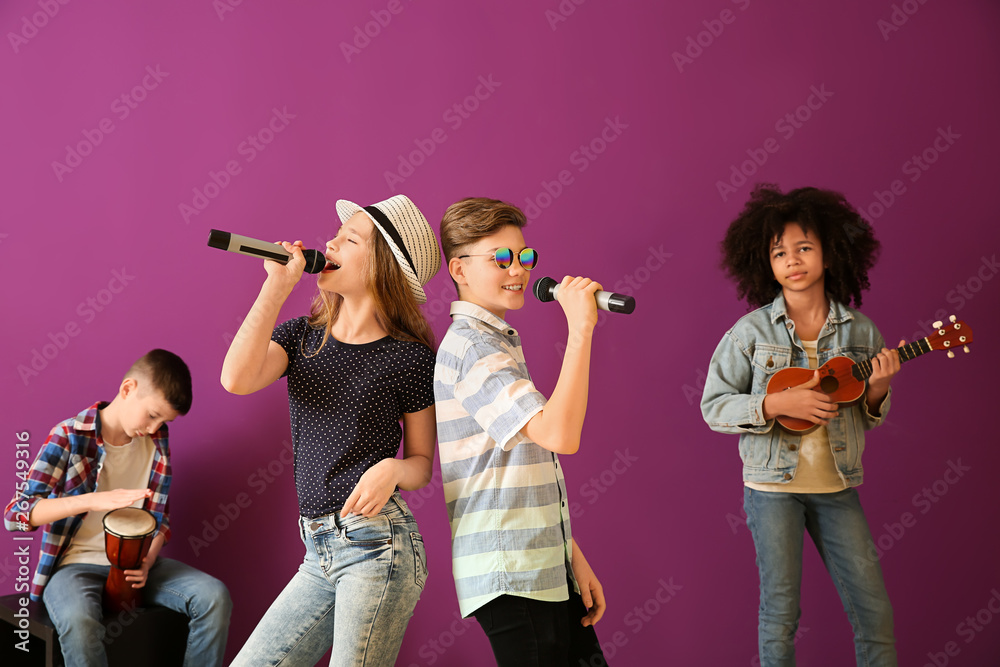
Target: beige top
{"points": [[125, 467], [817, 471]]}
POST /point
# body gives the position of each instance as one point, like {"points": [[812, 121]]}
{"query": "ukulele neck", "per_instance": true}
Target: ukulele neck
{"points": [[906, 352]]}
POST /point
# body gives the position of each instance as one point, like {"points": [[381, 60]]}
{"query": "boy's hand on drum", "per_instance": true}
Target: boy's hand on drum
{"points": [[105, 501], [373, 490], [138, 577]]}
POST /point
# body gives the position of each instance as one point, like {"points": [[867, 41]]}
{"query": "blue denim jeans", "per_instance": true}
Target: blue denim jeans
{"points": [[73, 599], [355, 591], [838, 527]]}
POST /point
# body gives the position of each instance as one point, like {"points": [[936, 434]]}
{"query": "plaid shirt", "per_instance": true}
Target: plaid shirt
{"points": [[68, 465]]}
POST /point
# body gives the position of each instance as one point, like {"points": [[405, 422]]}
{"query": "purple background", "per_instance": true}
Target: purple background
{"points": [[645, 216]]}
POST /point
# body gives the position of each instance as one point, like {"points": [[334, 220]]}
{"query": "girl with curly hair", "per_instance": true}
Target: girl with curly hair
{"points": [[801, 258]]}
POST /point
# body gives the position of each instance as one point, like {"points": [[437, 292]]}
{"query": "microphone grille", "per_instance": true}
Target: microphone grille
{"points": [[543, 289], [315, 261]]}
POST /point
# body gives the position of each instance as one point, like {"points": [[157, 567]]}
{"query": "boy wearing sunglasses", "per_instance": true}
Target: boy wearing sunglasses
{"points": [[517, 568]]}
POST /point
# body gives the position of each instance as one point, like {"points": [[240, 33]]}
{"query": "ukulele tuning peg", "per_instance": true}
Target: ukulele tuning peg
{"points": [[951, 319], [951, 354], [937, 325], [966, 349]]}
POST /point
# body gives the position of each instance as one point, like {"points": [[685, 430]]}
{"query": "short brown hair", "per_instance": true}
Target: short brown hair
{"points": [[168, 374], [474, 218]]}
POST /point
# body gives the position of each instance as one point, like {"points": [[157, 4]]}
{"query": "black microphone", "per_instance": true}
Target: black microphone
{"points": [[315, 261], [545, 289]]}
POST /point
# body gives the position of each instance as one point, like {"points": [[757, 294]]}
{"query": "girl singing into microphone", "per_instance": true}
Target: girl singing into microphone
{"points": [[360, 363]]}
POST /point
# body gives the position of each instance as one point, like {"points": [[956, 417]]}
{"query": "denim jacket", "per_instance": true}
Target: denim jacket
{"points": [[762, 343]]}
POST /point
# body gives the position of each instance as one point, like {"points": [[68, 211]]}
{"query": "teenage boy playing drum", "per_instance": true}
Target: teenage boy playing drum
{"points": [[109, 456]]}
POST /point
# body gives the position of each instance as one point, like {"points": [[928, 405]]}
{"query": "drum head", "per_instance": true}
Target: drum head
{"points": [[129, 522]]}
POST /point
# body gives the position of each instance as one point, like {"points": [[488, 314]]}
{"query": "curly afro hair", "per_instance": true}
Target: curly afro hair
{"points": [[848, 241]]}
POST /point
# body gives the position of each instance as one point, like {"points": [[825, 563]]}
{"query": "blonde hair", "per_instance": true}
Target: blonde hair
{"points": [[396, 310]]}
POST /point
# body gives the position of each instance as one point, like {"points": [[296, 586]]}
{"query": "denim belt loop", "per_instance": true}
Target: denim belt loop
{"points": [[332, 520], [397, 500], [339, 525], [403, 505]]}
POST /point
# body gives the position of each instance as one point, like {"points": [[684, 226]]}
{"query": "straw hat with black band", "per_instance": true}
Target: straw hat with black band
{"points": [[406, 231]]}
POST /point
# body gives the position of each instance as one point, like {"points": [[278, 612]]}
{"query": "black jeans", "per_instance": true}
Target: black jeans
{"points": [[533, 633]]}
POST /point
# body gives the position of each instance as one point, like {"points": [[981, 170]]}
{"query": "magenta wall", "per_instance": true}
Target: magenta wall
{"points": [[618, 127]]}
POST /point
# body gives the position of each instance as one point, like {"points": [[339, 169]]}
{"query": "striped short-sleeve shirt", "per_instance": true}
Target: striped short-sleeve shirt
{"points": [[506, 496]]}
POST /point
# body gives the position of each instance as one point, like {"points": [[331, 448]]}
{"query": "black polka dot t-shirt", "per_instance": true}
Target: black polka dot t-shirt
{"points": [[345, 404]]}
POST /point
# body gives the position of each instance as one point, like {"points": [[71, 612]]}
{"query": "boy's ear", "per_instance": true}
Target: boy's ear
{"points": [[128, 386], [456, 267]]}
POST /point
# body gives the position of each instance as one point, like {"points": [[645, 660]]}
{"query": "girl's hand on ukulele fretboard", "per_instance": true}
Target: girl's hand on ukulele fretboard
{"points": [[884, 366]]}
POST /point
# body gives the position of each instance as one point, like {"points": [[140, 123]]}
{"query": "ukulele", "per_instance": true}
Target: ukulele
{"points": [[844, 381]]}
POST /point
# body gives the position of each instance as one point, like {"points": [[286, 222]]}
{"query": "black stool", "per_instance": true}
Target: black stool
{"points": [[149, 636]]}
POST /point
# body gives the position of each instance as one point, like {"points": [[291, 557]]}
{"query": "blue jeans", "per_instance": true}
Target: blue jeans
{"points": [[355, 591], [838, 527], [73, 599]]}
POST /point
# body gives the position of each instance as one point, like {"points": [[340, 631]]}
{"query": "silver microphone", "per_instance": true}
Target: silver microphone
{"points": [[244, 245], [546, 288]]}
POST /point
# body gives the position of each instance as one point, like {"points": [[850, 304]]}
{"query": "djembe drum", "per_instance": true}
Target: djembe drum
{"points": [[128, 534]]}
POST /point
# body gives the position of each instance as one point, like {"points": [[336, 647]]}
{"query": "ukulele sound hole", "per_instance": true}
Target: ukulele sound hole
{"points": [[829, 384]]}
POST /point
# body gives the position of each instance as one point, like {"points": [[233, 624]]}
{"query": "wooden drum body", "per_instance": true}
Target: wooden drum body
{"points": [[128, 534]]}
